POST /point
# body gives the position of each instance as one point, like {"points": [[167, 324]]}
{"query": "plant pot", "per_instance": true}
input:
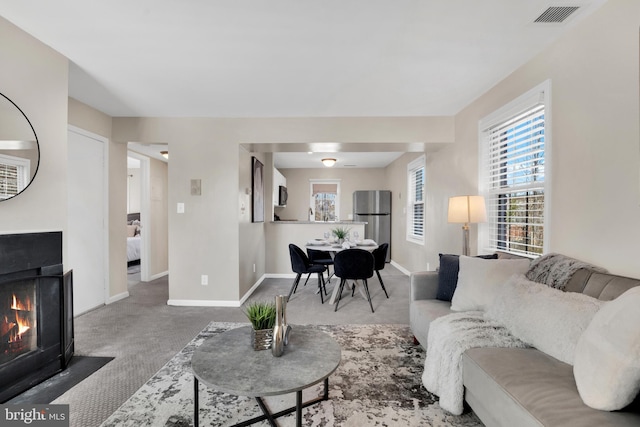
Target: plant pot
{"points": [[261, 339]]}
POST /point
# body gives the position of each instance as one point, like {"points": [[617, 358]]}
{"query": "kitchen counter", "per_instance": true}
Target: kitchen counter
{"points": [[280, 234], [330, 223]]}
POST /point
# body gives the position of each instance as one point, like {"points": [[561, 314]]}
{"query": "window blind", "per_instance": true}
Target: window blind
{"points": [[514, 166], [9, 180], [416, 208]]}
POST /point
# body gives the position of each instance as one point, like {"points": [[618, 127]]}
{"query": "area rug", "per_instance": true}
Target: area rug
{"points": [[378, 383]]}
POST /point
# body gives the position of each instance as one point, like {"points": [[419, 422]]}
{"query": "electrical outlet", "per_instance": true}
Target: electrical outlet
{"points": [[254, 268], [204, 280], [180, 207]]}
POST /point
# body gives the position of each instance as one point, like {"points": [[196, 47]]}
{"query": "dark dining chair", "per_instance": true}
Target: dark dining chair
{"points": [[353, 264], [380, 259], [301, 264], [322, 258]]}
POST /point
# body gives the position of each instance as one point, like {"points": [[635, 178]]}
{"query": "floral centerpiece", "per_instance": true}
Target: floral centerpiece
{"points": [[340, 233]]}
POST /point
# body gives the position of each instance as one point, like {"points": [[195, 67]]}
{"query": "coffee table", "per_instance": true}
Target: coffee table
{"points": [[227, 362]]}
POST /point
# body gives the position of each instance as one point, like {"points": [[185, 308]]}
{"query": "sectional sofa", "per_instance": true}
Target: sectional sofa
{"points": [[526, 386]]}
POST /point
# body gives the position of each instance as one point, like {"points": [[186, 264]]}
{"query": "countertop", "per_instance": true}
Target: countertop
{"points": [[294, 221]]}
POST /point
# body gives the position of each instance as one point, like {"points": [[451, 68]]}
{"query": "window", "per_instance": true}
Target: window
{"points": [[415, 201], [325, 200], [514, 174], [14, 174]]}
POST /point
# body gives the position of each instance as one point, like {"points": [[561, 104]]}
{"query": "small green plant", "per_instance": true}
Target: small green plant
{"points": [[340, 232], [262, 315]]}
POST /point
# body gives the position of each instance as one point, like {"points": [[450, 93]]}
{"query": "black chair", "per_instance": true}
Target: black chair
{"points": [[353, 264], [301, 265], [380, 259], [319, 257]]}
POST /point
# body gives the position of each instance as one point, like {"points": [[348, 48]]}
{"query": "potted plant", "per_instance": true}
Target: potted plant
{"points": [[340, 233], [262, 316]]}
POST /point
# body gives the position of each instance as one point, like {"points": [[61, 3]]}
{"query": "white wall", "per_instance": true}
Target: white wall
{"points": [[595, 142], [35, 78]]}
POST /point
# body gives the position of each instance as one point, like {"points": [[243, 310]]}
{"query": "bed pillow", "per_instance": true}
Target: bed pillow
{"points": [[131, 230], [448, 274], [607, 362], [543, 317], [480, 280]]}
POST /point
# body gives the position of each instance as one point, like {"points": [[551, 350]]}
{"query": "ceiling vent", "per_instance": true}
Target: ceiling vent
{"points": [[556, 14]]}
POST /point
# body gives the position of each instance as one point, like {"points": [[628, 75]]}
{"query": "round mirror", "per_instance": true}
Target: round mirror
{"points": [[19, 150]]}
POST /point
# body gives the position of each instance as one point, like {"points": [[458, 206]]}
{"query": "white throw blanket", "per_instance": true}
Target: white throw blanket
{"points": [[449, 337]]}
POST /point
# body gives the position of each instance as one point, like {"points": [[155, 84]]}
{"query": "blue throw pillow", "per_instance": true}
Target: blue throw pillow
{"points": [[448, 274]]}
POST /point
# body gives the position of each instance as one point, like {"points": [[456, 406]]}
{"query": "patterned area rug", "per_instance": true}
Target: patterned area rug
{"points": [[378, 383]]}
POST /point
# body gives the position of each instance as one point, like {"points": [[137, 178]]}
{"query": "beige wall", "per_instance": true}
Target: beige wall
{"points": [[213, 237], [35, 78], [298, 188], [594, 152]]}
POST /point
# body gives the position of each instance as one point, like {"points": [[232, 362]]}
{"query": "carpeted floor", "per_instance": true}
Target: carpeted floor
{"points": [[377, 384]]}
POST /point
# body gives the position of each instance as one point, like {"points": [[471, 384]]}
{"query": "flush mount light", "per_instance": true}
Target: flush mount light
{"points": [[328, 162], [165, 154]]}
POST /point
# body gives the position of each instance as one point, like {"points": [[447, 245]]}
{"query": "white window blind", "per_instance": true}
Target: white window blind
{"points": [[415, 201], [13, 175], [514, 181]]}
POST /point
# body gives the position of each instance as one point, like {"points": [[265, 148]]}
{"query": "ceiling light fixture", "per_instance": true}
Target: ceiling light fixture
{"points": [[165, 154], [328, 162]]}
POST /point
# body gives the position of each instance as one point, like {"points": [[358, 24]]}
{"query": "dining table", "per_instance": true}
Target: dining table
{"points": [[333, 247]]}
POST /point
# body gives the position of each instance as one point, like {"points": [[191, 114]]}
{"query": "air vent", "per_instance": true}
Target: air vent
{"points": [[349, 166], [556, 14]]}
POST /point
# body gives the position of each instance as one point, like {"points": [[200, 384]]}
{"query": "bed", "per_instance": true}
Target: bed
{"points": [[133, 238]]}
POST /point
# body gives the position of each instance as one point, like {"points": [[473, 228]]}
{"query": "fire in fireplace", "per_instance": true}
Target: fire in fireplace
{"points": [[18, 320], [36, 311]]}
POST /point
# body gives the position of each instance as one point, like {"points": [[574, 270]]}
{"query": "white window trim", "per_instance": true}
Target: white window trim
{"points": [[523, 102], [411, 166], [312, 201]]}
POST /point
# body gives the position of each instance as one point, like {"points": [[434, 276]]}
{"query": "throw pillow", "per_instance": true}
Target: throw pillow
{"points": [[480, 280], [607, 363], [448, 274], [131, 230], [543, 317]]}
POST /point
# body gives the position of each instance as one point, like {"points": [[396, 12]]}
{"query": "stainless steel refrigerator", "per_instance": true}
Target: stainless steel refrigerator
{"points": [[374, 208]]}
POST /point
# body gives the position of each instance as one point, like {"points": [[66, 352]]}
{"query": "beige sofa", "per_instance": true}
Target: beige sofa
{"points": [[523, 387]]}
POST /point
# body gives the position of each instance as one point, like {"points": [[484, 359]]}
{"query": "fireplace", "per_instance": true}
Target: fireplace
{"points": [[36, 311]]}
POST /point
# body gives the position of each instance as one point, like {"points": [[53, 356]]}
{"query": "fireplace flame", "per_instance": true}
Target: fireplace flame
{"points": [[20, 305], [22, 311]]}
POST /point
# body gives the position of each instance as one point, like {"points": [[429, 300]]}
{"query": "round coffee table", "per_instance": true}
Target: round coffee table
{"points": [[226, 362]]}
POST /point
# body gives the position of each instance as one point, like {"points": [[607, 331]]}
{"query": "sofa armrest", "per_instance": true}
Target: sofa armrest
{"points": [[424, 285]]}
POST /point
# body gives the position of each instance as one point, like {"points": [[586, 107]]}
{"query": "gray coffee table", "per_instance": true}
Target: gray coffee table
{"points": [[227, 362]]}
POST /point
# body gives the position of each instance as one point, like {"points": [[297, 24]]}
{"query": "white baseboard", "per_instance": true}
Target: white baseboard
{"points": [[117, 297], [280, 275], [253, 288], [401, 268], [159, 275], [202, 303]]}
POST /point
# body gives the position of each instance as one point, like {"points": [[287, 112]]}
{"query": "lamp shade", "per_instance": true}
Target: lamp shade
{"points": [[328, 162], [467, 209]]}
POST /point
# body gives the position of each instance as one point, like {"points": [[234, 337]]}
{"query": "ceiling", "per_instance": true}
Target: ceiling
{"points": [[288, 58]]}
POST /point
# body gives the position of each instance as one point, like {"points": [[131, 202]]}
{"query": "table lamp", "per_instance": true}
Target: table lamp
{"points": [[465, 210]]}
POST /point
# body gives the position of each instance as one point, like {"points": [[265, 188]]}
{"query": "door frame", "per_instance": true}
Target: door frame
{"points": [[105, 204], [145, 212]]}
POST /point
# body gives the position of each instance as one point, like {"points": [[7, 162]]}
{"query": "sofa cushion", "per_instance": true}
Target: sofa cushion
{"points": [[448, 274], [607, 364], [526, 387], [543, 317], [422, 313], [479, 281]]}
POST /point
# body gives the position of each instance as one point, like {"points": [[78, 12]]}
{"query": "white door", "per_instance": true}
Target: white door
{"points": [[86, 235]]}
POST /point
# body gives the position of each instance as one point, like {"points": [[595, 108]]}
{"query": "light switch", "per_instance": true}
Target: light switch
{"points": [[180, 207]]}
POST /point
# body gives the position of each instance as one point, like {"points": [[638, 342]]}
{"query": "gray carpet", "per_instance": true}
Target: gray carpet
{"points": [[378, 383], [143, 333]]}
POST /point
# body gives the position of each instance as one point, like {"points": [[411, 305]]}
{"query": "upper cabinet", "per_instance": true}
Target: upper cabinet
{"points": [[278, 181]]}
